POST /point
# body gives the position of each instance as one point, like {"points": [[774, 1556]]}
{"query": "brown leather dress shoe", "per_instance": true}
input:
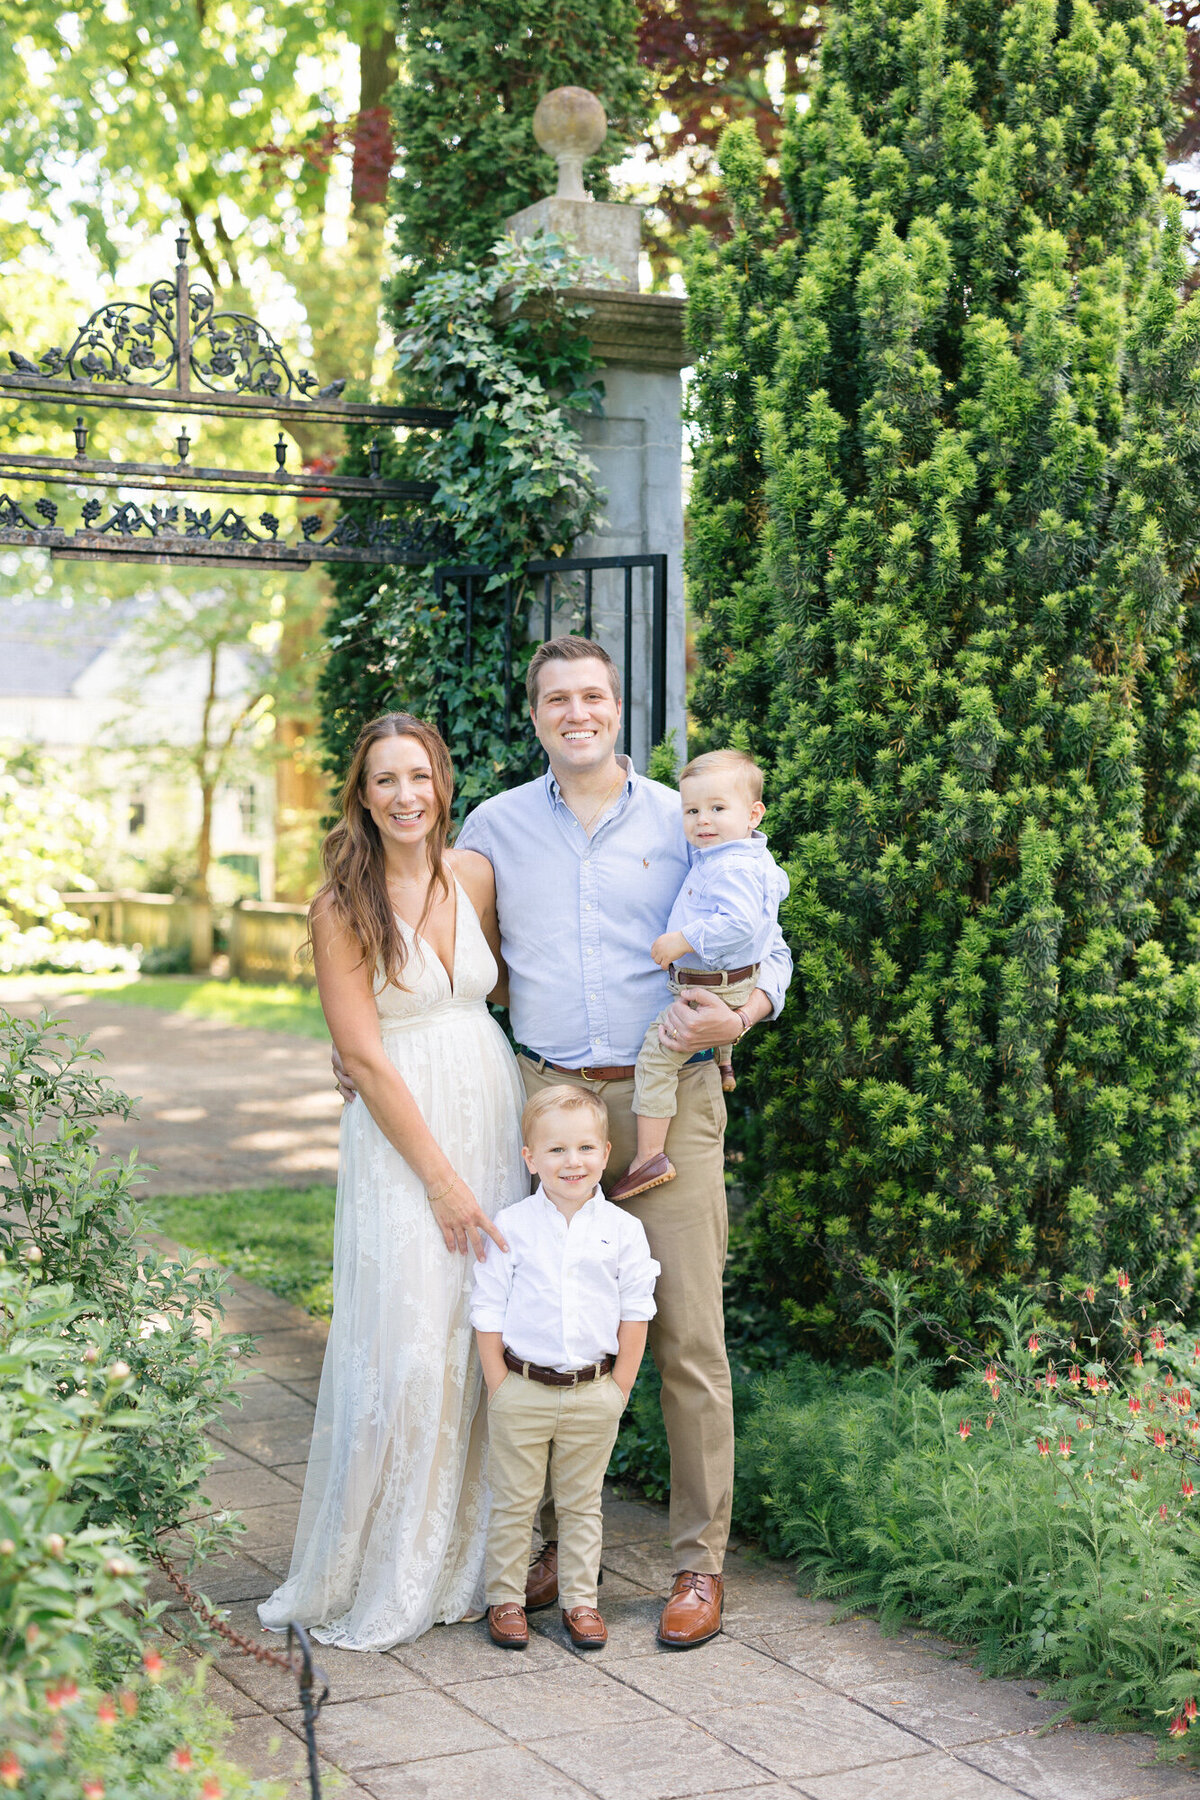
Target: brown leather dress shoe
{"points": [[541, 1583], [647, 1175], [507, 1626], [588, 1630], [693, 1613]]}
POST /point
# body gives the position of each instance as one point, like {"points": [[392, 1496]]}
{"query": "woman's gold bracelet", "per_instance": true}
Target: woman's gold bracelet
{"points": [[442, 1192]]}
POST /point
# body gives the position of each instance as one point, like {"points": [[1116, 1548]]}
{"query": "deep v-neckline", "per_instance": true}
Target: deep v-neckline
{"points": [[450, 972]]}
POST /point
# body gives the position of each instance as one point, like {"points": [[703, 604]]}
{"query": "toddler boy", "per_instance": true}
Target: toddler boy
{"points": [[720, 926], [560, 1318]]}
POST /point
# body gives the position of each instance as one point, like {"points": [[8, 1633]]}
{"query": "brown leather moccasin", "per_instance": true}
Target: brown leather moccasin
{"points": [[507, 1626], [588, 1630], [692, 1615], [647, 1175], [541, 1583]]}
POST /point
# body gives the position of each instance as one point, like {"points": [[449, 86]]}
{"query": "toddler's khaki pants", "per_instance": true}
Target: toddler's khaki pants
{"points": [[576, 1427], [657, 1073]]}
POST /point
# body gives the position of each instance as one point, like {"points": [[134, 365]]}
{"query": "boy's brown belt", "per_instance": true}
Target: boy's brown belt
{"points": [[556, 1377], [712, 977]]}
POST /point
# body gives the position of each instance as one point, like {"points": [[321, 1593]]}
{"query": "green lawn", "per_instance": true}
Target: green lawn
{"points": [[283, 1008], [280, 1237]]}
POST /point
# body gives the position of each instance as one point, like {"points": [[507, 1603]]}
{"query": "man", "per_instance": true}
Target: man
{"points": [[588, 861]]}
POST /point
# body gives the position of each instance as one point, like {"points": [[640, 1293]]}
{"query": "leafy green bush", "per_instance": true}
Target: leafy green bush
{"points": [[1041, 1506], [72, 1209], [43, 951], [942, 546], [506, 347]]}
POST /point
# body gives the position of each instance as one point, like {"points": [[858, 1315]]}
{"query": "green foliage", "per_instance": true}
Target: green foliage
{"points": [[473, 75], [506, 347], [1040, 1508], [942, 539], [71, 1209], [47, 834], [157, 1738], [291, 1009]]}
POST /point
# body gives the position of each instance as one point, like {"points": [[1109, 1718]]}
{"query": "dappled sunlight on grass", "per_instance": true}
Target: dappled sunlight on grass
{"points": [[283, 1008], [280, 1237]]}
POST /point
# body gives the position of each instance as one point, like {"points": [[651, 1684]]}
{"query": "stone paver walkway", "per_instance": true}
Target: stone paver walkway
{"points": [[784, 1704]]}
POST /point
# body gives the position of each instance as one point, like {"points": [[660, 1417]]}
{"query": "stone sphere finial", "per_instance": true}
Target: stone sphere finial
{"points": [[570, 126]]}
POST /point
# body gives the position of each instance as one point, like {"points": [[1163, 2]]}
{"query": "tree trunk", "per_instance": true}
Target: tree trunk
{"points": [[373, 143]]}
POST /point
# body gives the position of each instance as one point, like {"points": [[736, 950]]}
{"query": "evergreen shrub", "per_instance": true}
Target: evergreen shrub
{"points": [[942, 539], [1041, 1508]]}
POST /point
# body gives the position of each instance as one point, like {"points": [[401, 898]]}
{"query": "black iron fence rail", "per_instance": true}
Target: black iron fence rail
{"points": [[521, 585]]}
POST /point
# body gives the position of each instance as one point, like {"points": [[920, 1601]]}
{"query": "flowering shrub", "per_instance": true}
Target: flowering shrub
{"points": [[152, 1735], [73, 1218], [1042, 1507]]}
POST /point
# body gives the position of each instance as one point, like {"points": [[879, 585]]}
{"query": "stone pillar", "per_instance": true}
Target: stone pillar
{"points": [[637, 442]]}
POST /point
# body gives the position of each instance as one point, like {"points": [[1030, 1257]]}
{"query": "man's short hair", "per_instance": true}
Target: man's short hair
{"points": [[569, 649], [569, 1098], [743, 768]]}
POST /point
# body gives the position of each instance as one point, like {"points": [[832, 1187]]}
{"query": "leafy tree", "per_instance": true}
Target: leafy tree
{"points": [[942, 543]]}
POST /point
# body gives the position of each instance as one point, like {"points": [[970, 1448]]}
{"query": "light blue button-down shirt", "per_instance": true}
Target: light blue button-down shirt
{"points": [[728, 906], [578, 915]]}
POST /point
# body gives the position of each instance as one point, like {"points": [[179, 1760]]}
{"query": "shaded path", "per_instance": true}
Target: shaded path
{"points": [[219, 1106]]}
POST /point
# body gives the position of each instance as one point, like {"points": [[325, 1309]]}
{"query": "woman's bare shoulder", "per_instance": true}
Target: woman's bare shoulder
{"points": [[473, 870]]}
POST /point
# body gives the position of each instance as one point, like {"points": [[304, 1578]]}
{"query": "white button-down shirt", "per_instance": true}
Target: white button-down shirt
{"points": [[561, 1290]]}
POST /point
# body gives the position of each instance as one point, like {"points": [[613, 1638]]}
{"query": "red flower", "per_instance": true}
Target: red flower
{"points": [[1051, 1376], [1157, 1340], [153, 1664], [1033, 1344], [211, 1789], [987, 1423], [93, 1789], [1103, 1384], [128, 1701], [1064, 1447], [1044, 1446], [1183, 1399], [10, 1770], [1136, 1474], [1160, 1438], [1169, 1381], [964, 1429], [1137, 1359], [1135, 1405], [1122, 1282], [65, 1694], [1186, 1488], [1090, 1293], [106, 1713], [1178, 1727], [1189, 1710], [1073, 1374], [1162, 1513], [1093, 1382], [989, 1374], [181, 1759]]}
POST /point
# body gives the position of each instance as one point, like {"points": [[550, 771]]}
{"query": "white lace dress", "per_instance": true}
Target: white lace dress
{"points": [[391, 1533]]}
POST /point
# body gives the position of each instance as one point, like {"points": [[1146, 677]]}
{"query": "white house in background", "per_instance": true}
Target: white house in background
{"points": [[66, 679]]}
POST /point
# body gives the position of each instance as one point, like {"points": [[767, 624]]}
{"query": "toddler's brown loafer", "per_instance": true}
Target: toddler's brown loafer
{"points": [[588, 1630], [647, 1175]]}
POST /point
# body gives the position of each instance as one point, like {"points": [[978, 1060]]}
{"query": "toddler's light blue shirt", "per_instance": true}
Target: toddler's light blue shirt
{"points": [[728, 906], [578, 915]]}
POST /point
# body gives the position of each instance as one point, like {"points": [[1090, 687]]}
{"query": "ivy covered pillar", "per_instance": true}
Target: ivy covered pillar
{"points": [[636, 442]]}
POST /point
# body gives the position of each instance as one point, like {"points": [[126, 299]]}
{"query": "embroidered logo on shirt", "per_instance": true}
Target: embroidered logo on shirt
{"points": [[645, 862]]}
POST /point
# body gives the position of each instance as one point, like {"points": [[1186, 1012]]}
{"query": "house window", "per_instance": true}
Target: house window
{"points": [[248, 808]]}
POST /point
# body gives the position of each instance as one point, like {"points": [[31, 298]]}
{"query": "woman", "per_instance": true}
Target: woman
{"points": [[406, 948]]}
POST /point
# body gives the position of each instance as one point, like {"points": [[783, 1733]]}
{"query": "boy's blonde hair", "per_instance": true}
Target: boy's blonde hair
{"points": [[570, 1099], [743, 768]]}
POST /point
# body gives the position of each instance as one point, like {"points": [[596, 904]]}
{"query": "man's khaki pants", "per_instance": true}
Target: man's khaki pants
{"points": [[577, 1427], [688, 1229]]}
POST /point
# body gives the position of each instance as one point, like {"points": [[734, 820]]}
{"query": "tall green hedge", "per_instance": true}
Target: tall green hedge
{"points": [[943, 530]]}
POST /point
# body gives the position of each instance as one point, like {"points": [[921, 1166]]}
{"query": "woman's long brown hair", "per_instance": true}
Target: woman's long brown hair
{"points": [[352, 854]]}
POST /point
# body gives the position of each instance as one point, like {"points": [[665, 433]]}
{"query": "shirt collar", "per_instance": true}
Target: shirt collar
{"points": [[541, 1194], [624, 762]]}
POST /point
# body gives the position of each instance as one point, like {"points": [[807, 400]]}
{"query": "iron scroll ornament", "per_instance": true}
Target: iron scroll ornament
{"points": [[138, 345]]}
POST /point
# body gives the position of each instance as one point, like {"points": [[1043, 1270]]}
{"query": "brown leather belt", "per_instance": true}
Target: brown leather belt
{"points": [[556, 1377], [614, 1072], [712, 977]]}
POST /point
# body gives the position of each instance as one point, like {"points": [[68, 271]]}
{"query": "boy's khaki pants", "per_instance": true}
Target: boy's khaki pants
{"points": [[576, 1427], [688, 1228], [657, 1077]]}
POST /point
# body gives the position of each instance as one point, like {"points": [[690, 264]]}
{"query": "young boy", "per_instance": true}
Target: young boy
{"points": [[560, 1319], [720, 925]]}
